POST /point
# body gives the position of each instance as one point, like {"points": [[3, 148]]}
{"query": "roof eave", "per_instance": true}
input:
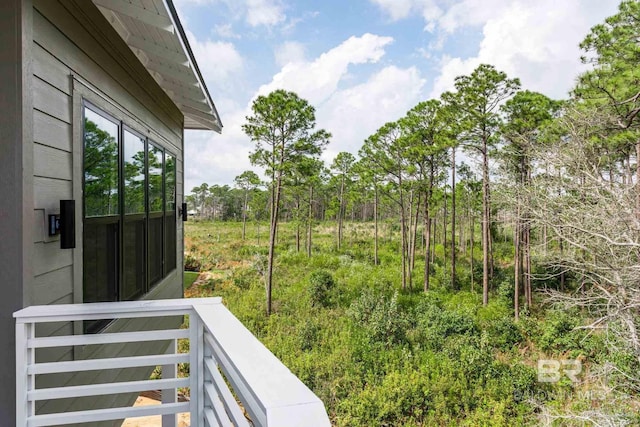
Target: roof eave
{"points": [[187, 47], [157, 38]]}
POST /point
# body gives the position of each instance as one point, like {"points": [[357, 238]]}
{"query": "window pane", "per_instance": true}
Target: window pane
{"points": [[155, 248], [134, 257], [170, 241], [100, 165], [156, 225], [100, 253], [133, 174], [155, 179], [170, 219], [170, 182]]}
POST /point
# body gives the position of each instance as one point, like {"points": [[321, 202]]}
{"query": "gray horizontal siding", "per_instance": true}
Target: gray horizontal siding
{"points": [[51, 132], [50, 100], [53, 285], [52, 163]]}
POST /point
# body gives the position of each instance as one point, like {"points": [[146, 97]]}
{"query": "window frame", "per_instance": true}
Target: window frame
{"points": [[145, 215], [123, 125]]}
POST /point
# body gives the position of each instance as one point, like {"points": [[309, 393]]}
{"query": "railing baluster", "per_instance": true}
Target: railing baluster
{"points": [[24, 408], [196, 336], [170, 395]]}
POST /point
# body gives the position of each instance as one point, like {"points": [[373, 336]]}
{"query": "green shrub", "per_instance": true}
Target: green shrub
{"points": [[259, 263], [191, 263], [308, 334], [320, 284], [435, 323], [558, 332], [506, 291], [247, 251], [504, 333], [380, 317], [402, 398], [243, 278]]}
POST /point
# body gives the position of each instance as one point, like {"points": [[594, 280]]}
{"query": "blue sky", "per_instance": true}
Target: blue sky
{"points": [[362, 63]]}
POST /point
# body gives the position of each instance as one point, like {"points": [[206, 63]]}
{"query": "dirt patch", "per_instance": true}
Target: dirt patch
{"points": [[153, 421], [204, 277]]}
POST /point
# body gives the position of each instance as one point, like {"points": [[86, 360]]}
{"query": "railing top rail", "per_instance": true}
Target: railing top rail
{"points": [[99, 310], [285, 400]]}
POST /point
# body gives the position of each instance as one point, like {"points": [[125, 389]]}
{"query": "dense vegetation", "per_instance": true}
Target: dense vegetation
{"points": [[428, 289], [377, 355]]}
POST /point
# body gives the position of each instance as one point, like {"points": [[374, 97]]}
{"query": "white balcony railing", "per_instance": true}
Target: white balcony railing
{"points": [[221, 348]]}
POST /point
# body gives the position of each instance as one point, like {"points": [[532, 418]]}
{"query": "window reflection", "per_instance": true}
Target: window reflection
{"points": [[155, 179], [100, 165], [133, 174], [170, 182], [170, 214]]}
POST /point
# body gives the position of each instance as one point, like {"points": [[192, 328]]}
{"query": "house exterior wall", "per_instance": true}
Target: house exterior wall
{"points": [[64, 51], [16, 190]]}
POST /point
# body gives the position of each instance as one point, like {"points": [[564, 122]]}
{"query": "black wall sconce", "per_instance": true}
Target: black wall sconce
{"points": [[184, 212], [64, 224]]}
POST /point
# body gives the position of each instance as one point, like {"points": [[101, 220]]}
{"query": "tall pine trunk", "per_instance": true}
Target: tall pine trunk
{"points": [[403, 233], [471, 239], [427, 240], [375, 226], [244, 215], [310, 221], [638, 180], [485, 223], [527, 245], [272, 239], [415, 234], [435, 232], [297, 206], [453, 219], [340, 213], [517, 266]]}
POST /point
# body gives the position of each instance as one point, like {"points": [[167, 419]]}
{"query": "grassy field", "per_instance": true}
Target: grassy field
{"points": [[379, 356], [189, 278]]}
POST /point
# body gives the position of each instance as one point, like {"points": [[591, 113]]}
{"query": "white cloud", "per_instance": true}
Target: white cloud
{"points": [[289, 52], [225, 31], [355, 113], [293, 22], [430, 10], [179, 3], [535, 41], [317, 80], [396, 9], [470, 13], [254, 12], [216, 59], [264, 12]]}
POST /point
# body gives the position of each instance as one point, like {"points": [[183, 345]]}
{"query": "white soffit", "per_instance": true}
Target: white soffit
{"points": [[154, 33]]}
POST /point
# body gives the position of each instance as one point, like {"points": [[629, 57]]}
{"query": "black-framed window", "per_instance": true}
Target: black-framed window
{"points": [[129, 226], [101, 207]]}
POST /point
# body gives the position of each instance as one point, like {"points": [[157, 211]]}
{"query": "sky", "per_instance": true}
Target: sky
{"points": [[362, 63]]}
